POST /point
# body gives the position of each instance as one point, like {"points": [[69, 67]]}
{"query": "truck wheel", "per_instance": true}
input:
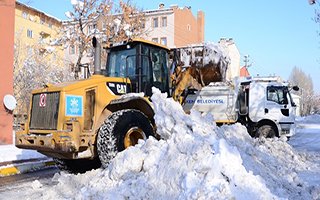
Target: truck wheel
{"points": [[267, 131], [121, 130], [75, 166]]}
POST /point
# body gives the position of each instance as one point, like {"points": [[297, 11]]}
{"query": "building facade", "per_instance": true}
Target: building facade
{"points": [[6, 60], [174, 26], [35, 44], [36, 30]]}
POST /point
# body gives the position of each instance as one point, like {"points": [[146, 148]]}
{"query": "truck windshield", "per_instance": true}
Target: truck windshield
{"points": [[277, 94]]}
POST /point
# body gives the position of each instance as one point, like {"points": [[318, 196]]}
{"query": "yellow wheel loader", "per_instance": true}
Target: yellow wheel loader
{"points": [[83, 124]]}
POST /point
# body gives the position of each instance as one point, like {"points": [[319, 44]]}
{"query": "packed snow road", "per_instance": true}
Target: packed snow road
{"points": [[196, 160], [11, 185]]}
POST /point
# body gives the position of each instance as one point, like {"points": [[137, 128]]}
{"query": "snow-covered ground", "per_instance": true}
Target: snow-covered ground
{"points": [[197, 160], [10, 153]]}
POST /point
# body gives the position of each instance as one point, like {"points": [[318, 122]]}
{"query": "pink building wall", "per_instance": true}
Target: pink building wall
{"points": [[7, 14]]}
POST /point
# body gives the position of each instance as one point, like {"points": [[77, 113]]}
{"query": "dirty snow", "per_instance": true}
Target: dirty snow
{"points": [[195, 159], [206, 54]]}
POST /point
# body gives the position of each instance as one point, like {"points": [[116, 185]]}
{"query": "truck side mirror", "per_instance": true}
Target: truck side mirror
{"points": [[295, 88]]}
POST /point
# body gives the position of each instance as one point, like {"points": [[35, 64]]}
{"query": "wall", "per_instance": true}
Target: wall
{"points": [[182, 29], [234, 55], [200, 23], [6, 59], [45, 29], [186, 27], [160, 31]]}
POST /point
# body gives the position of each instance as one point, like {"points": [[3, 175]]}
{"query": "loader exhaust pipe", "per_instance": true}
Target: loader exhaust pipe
{"points": [[97, 56]]}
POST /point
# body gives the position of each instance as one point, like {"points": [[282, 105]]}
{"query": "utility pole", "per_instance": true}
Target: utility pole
{"points": [[246, 61]]}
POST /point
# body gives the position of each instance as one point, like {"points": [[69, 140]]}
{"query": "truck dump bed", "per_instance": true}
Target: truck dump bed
{"points": [[216, 98]]}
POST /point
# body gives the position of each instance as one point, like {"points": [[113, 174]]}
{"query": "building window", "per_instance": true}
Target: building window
{"points": [[42, 20], [164, 21], [29, 33], [155, 22], [72, 67], [72, 49], [163, 41], [25, 15], [89, 29], [29, 51], [155, 40], [189, 27]]}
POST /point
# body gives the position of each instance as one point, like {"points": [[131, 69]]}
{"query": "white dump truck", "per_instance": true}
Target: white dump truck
{"points": [[263, 104]]}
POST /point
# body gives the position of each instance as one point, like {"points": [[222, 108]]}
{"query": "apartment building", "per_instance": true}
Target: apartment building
{"points": [[174, 26], [24, 29], [36, 30]]}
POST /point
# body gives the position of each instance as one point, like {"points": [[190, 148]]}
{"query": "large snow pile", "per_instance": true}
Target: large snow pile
{"points": [[194, 160]]}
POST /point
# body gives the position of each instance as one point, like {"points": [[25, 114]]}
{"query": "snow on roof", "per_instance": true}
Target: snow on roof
{"points": [[38, 11]]}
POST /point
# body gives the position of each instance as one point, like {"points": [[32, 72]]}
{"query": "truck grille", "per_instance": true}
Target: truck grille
{"points": [[44, 111]]}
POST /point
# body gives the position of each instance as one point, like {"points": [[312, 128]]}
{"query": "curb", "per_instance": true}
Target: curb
{"points": [[27, 166]]}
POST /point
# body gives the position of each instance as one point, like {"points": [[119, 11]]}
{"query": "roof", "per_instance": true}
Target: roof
{"points": [[38, 11], [244, 71]]}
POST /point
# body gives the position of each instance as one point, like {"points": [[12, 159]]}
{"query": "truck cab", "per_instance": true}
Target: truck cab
{"points": [[268, 104]]}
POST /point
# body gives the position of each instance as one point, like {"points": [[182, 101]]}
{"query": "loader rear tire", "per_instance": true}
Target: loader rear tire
{"points": [[76, 166], [121, 130]]}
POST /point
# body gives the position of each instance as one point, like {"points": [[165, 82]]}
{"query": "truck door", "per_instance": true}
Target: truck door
{"points": [[278, 106]]}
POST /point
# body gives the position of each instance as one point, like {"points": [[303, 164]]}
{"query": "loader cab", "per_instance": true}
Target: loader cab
{"points": [[144, 63]]}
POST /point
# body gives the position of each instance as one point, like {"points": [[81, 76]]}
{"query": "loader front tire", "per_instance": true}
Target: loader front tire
{"points": [[121, 130]]}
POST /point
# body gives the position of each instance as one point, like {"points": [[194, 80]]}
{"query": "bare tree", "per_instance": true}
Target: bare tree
{"points": [[298, 77], [35, 66], [101, 18]]}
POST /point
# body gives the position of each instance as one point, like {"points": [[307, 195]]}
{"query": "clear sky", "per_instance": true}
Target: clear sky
{"points": [[276, 34]]}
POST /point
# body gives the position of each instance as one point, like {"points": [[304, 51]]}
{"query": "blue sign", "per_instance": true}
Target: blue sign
{"points": [[74, 106]]}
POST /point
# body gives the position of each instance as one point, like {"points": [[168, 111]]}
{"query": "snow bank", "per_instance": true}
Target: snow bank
{"points": [[10, 153], [307, 137], [309, 119], [194, 160]]}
